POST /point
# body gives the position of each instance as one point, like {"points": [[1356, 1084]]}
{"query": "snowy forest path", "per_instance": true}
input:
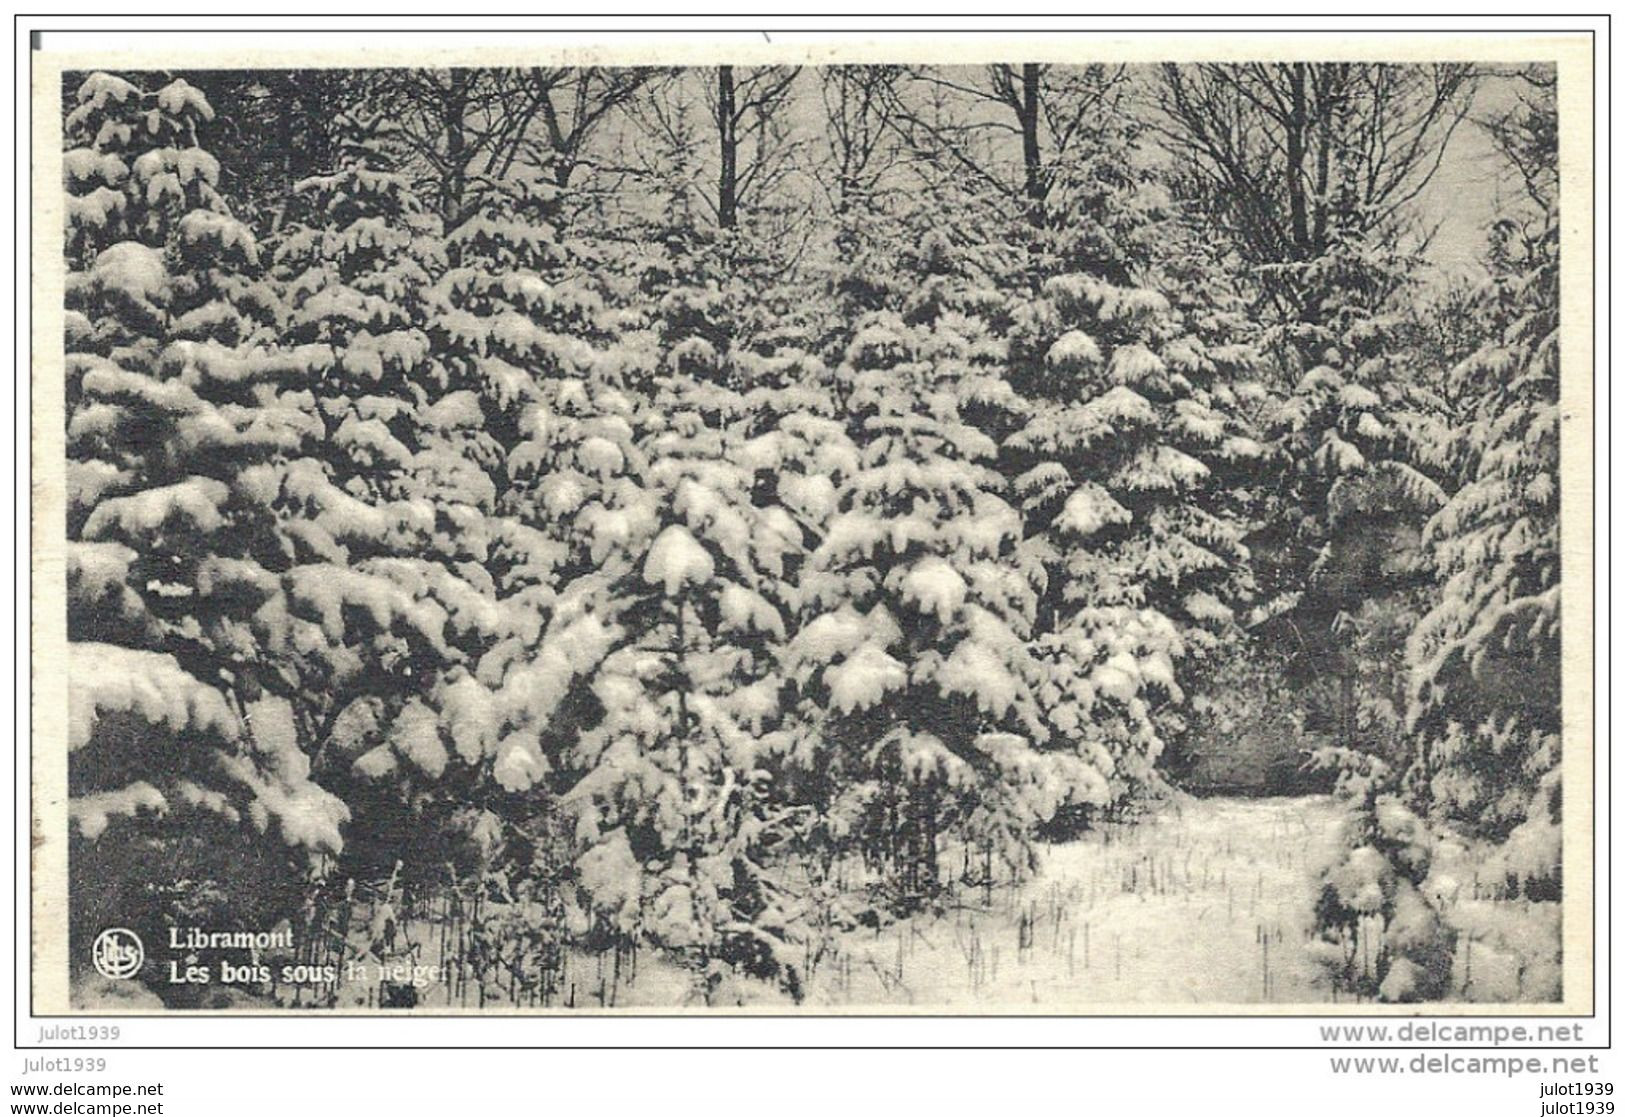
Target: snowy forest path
{"points": [[1205, 901]]}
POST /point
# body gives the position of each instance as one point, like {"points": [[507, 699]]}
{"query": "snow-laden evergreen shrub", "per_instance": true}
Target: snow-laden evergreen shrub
{"points": [[388, 515], [913, 628], [1381, 936], [175, 548], [1143, 562], [1487, 658]]}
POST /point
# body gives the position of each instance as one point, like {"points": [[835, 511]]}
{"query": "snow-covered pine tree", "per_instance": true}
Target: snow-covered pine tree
{"points": [[1486, 659], [1229, 674], [1360, 434], [388, 514], [1350, 424], [1090, 266], [174, 418], [912, 633], [1380, 934], [667, 767], [791, 444], [515, 330], [1129, 404], [529, 347], [1358, 453]]}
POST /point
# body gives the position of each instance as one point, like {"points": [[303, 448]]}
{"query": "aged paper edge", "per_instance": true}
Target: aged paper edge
{"points": [[1573, 55]]}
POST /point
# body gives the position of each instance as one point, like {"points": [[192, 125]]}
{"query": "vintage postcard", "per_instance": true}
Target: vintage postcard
{"points": [[1091, 526]]}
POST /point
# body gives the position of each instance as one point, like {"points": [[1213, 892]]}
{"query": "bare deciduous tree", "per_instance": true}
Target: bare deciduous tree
{"points": [[753, 139], [726, 123], [1291, 156], [973, 122], [464, 125], [576, 103], [859, 105], [458, 125]]}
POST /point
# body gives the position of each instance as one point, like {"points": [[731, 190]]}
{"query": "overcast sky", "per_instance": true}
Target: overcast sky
{"points": [[1471, 184]]}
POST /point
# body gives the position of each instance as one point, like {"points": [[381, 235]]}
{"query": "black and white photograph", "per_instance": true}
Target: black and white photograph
{"points": [[903, 533]]}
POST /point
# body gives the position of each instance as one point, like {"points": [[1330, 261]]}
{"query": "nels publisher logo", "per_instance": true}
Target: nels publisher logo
{"points": [[117, 953]]}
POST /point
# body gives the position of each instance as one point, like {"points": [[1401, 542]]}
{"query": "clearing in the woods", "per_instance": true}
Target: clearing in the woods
{"points": [[1203, 902]]}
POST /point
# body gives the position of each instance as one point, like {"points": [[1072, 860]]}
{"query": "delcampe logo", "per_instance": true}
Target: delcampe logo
{"points": [[118, 953]]}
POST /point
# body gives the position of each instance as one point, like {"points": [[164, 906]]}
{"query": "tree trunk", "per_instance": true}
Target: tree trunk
{"points": [[1350, 718], [1296, 126], [1323, 156], [728, 138], [1032, 159], [451, 187], [1422, 773], [318, 127]]}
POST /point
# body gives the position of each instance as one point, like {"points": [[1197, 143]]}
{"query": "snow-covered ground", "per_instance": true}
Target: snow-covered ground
{"points": [[1200, 902], [1206, 901]]}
